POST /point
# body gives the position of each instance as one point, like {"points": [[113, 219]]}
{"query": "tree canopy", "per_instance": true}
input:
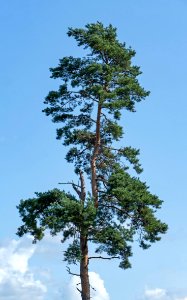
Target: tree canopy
{"points": [[117, 208]]}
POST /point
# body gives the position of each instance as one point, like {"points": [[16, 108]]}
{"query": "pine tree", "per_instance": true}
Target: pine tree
{"points": [[117, 208]]}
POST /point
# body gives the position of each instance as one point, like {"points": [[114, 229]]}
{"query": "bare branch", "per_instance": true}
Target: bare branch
{"points": [[79, 290], [72, 183], [69, 271], [101, 257], [119, 209], [81, 152], [76, 190], [66, 102], [75, 187], [108, 120], [83, 189]]}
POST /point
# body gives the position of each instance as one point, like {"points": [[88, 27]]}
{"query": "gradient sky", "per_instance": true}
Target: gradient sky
{"points": [[32, 39]]}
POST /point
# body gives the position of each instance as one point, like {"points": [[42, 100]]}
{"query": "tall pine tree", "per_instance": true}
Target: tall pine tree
{"points": [[117, 208]]}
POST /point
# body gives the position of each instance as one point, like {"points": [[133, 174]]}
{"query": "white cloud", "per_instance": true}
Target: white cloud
{"points": [[98, 291], [155, 293], [16, 279], [161, 294]]}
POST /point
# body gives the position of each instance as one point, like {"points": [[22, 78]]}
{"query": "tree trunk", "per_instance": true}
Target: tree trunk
{"points": [[94, 158], [85, 284]]}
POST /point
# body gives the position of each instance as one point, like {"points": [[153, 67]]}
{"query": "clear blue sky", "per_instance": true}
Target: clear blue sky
{"points": [[32, 39]]}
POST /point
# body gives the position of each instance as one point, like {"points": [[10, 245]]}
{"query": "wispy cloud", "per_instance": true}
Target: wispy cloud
{"points": [[156, 293], [161, 294]]}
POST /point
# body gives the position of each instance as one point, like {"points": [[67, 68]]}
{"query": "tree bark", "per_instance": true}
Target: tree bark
{"points": [[94, 158], [85, 284]]}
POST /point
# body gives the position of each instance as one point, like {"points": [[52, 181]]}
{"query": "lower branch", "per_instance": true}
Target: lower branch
{"points": [[69, 271], [101, 257]]}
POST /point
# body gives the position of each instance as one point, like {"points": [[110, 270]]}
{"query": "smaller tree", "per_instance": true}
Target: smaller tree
{"points": [[117, 208]]}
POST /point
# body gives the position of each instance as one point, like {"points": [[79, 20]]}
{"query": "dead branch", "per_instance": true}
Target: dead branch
{"points": [[72, 183], [69, 271], [75, 187], [101, 257], [83, 189]]}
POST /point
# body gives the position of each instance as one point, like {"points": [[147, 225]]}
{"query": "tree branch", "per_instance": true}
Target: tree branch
{"points": [[72, 183], [101, 257], [75, 187], [69, 271], [81, 152], [79, 290], [108, 120]]}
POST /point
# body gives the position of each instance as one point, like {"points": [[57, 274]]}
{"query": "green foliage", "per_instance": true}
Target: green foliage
{"points": [[105, 76], [131, 200], [126, 212], [53, 210]]}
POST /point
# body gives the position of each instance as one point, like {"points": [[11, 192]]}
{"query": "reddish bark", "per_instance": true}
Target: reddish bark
{"points": [[85, 284]]}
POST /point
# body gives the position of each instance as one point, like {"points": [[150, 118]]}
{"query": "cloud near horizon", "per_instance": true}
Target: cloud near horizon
{"points": [[17, 281], [98, 291], [161, 294]]}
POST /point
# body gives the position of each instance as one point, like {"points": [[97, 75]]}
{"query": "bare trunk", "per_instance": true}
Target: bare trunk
{"points": [[94, 158], [85, 284], [83, 188]]}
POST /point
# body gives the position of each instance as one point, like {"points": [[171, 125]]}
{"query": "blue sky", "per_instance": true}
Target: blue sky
{"points": [[33, 38]]}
